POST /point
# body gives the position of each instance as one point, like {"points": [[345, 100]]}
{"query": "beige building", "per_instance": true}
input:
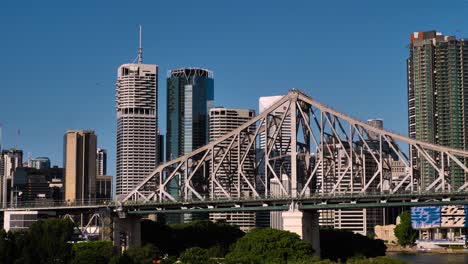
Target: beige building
{"points": [[386, 233], [80, 165], [222, 121]]}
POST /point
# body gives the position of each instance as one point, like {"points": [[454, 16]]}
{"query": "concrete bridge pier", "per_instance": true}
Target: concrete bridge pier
{"points": [[127, 232], [305, 224]]}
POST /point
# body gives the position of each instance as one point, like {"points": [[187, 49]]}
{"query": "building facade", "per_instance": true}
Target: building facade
{"points": [[40, 163], [10, 160], [160, 150], [190, 95], [137, 124], [283, 164], [103, 187], [223, 121], [377, 123], [437, 74], [101, 162], [80, 165]]}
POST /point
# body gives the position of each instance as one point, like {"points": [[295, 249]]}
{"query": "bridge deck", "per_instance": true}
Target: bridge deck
{"points": [[316, 202]]}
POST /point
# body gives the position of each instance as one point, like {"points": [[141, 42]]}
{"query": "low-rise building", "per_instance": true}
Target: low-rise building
{"points": [[386, 233]]}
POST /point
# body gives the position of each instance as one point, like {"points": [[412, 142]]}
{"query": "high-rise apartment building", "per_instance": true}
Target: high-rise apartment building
{"points": [[103, 186], [284, 136], [335, 163], [190, 95], [137, 123], [80, 165], [283, 164], [10, 160], [103, 181], [437, 70], [101, 162], [223, 121]]}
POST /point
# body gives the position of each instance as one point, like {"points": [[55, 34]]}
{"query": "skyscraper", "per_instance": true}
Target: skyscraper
{"points": [[10, 160], [284, 164], [80, 165], [137, 122], [190, 95], [101, 162], [377, 123], [437, 70], [160, 151], [284, 136], [39, 163], [223, 121], [103, 186]]}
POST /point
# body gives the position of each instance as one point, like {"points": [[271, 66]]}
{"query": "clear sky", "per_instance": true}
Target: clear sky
{"points": [[59, 58]]}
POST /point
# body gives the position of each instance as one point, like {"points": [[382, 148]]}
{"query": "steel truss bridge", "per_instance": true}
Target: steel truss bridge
{"points": [[304, 152], [301, 152]]}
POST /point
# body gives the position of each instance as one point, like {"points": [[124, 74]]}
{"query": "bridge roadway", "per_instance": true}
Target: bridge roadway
{"points": [[315, 202]]}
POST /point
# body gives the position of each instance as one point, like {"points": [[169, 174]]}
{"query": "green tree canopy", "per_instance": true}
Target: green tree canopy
{"points": [[93, 252], [175, 239], [144, 254], [405, 234], [341, 244], [195, 255], [8, 248], [121, 259], [267, 245], [46, 242]]}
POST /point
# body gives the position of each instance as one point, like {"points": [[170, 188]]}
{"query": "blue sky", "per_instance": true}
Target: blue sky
{"points": [[59, 58]]}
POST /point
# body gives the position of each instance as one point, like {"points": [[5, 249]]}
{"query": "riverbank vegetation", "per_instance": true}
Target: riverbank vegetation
{"points": [[405, 234], [49, 241]]}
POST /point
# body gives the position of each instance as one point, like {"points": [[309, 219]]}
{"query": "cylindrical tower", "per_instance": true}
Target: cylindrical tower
{"points": [[137, 124]]}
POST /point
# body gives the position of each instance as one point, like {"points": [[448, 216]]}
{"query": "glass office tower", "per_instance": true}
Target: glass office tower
{"points": [[190, 93]]}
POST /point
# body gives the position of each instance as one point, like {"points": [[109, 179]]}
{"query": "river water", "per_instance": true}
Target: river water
{"points": [[431, 258]]}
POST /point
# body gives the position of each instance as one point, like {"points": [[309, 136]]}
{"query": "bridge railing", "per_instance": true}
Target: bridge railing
{"points": [[56, 204]]}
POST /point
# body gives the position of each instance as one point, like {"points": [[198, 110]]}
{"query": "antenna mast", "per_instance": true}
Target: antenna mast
{"points": [[1, 127], [140, 51]]}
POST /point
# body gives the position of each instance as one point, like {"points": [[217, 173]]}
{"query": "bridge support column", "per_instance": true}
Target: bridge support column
{"points": [[127, 232], [305, 224]]}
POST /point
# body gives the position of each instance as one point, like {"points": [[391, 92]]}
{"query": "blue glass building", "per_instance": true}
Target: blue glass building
{"points": [[190, 94]]}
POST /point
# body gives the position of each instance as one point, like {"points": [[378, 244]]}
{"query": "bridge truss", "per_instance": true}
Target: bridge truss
{"points": [[300, 148]]}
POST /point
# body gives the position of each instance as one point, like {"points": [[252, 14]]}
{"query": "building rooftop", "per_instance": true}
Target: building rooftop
{"points": [[188, 72]]}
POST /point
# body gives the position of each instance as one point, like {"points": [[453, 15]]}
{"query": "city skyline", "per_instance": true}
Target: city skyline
{"points": [[300, 69]]}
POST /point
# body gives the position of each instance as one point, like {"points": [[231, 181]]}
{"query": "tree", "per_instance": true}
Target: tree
{"points": [[8, 247], [46, 241], [144, 254], [195, 255], [175, 239], [267, 245], [342, 244], [121, 259], [93, 252], [405, 234]]}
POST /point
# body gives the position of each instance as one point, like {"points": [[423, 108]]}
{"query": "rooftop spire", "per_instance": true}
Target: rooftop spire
{"points": [[140, 50]]}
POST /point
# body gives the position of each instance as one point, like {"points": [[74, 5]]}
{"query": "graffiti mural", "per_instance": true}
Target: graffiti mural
{"points": [[425, 217]]}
